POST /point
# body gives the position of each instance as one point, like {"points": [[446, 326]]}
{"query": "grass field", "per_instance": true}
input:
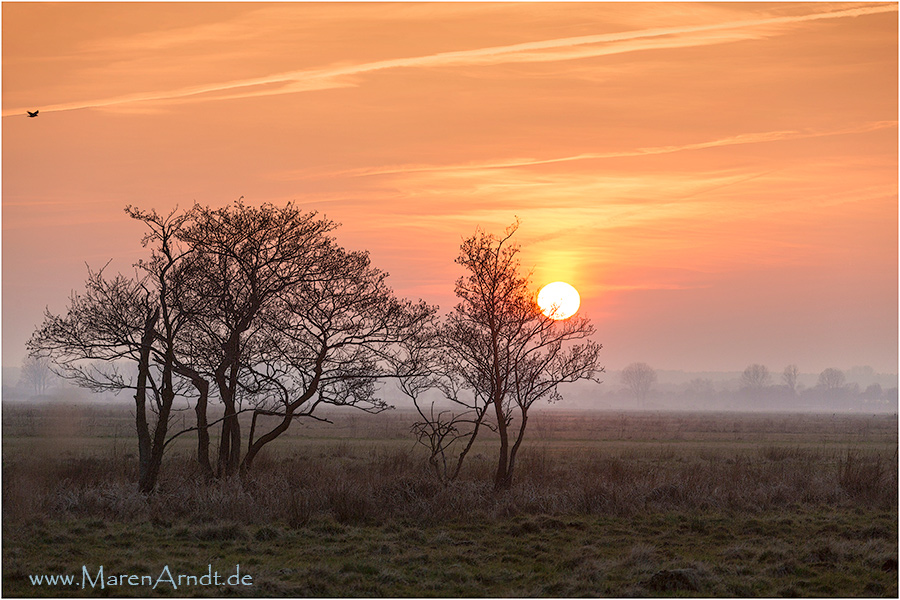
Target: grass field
{"points": [[604, 504]]}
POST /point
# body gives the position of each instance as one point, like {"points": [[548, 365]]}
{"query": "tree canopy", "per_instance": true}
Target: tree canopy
{"points": [[258, 308]]}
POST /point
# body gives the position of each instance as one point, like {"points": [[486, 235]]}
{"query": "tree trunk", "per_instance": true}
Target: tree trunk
{"points": [[256, 445], [230, 441], [203, 428], [227, 381], [202, 387], [145, 484], [146, 479], [469, 444], [159, 439], [501, 478], [234, 459], [225, 441], [514, 451], [158, 444]]}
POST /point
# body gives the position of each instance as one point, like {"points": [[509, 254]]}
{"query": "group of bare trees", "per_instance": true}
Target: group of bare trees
{"points": [[260, 310], [257, 308]]}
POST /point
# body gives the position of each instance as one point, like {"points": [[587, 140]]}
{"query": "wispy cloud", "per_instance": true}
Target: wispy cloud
{"points": [[559, 49], [648, 286], [734, 140]]}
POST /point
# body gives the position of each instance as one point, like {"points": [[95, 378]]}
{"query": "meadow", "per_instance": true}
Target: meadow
{"points": [[603, 504]]}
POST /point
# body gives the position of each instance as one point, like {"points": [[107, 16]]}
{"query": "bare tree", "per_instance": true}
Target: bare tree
{"points": [[640, 379], [123, 320], [448, 431], [112, 323], [502, 351], [831, 379], [286, 321], [36, 374], [244, 258], [789, 376], [755, 378], [166, 281]]}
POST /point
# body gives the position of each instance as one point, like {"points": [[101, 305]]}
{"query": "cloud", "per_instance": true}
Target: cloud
{"points": [[734, 140], [560, 49], [648, 286]]}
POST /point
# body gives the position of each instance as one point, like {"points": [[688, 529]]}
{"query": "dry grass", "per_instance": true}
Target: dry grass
{"points": [[713, 507], [375, 485]]}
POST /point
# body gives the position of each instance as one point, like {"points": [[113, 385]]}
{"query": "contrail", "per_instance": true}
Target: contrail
{"points": [[734, 140], [317, 79]]}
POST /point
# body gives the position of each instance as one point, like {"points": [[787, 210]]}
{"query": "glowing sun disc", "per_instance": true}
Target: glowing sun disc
{"points": [[558, 300]]}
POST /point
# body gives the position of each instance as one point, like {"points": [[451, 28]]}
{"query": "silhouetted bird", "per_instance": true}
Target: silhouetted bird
{"points": [[32, 114]]}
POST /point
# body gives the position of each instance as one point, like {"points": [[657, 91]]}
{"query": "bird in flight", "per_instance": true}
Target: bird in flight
{"points": [[32, 114]]}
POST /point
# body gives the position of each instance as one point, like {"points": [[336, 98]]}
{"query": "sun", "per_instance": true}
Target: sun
{"points": [[558, 300]]}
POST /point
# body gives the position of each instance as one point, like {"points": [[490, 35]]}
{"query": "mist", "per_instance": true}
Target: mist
{"points": [[863, 391]]}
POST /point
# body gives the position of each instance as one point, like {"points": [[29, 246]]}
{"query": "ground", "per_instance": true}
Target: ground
{"points": [[624, 504]]}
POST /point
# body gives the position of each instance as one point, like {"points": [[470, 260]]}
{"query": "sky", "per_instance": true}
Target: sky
{"points": [[718, 180]]}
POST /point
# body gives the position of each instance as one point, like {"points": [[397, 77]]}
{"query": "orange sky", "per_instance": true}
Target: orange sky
{"points": [[719, 181]]}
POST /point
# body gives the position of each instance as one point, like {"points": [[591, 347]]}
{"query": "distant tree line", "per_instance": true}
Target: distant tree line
{"points": [[260, 311], [831, 388], [758, 389]]}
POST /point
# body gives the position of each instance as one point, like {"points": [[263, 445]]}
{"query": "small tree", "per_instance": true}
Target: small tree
{"points": [[789, 377], [448, 434], [640, 379], [755, 378], [873, 392], [831, 379], [499, 349], [36, 374]]}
